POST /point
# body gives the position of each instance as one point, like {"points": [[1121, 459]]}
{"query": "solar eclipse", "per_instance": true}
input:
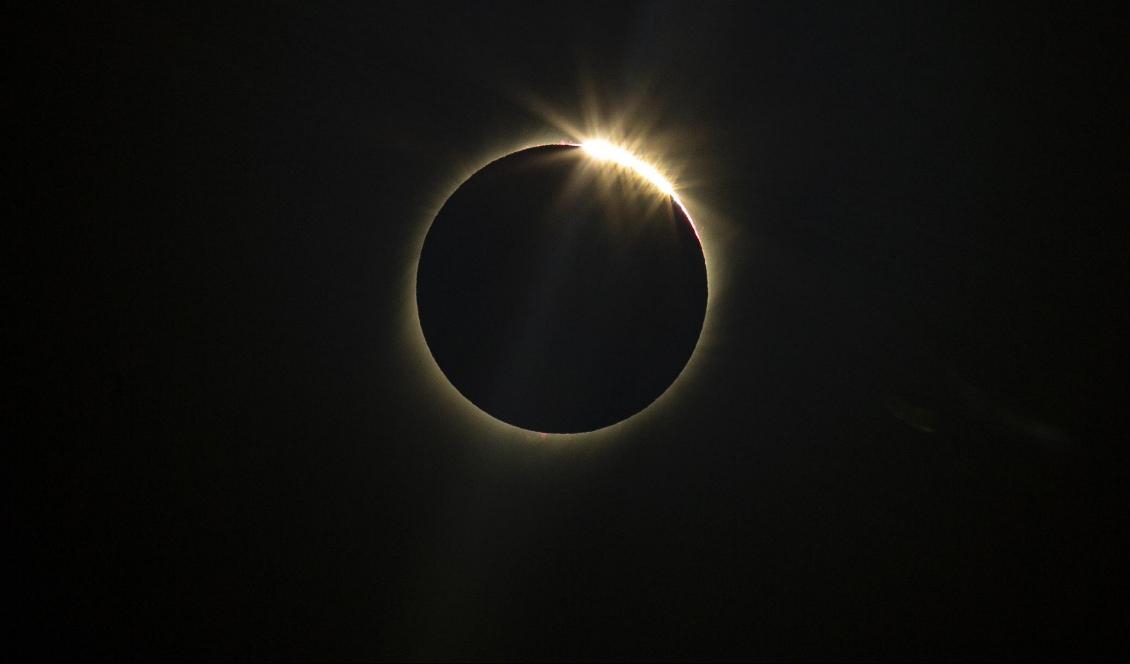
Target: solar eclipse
{"points": [[562, 288]]}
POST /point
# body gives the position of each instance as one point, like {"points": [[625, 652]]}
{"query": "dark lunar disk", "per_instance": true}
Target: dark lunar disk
{"points": [[560, 293]]}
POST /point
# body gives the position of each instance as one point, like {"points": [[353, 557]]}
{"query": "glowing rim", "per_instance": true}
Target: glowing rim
{"points": [[600, 150]]}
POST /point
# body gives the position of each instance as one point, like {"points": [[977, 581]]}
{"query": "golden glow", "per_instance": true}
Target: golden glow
{"points": [[605, 151], [602, 150]]}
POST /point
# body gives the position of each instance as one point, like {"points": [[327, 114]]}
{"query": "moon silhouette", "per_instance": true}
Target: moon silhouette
{"points": [[559, 291]]}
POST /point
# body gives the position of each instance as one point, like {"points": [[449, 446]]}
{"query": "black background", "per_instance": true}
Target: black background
{"points": [[904, 435]]}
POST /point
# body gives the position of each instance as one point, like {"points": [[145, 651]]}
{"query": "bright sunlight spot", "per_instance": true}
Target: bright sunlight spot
{"points": [[605, 151]]}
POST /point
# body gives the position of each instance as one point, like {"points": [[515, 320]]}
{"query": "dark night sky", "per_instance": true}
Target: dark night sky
{"points": [[904, 435]]}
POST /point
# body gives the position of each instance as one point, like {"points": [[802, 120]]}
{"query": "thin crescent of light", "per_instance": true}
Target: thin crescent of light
{"points": [[602, 150]]}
